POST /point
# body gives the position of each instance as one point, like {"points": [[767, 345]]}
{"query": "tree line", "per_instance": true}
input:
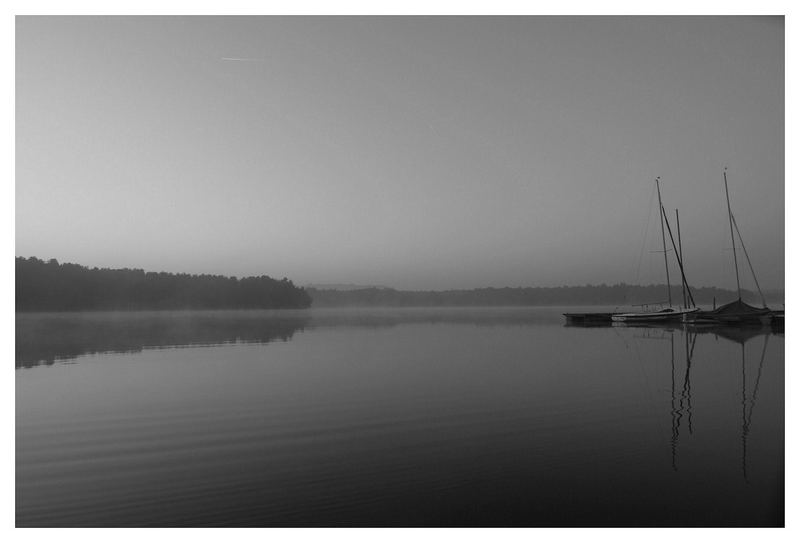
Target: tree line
{"points": [[51, 286], [619, 294]]}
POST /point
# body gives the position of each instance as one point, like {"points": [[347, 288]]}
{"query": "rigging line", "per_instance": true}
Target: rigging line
{"points": [[691, 354], [664, 242], [676, 417], [687, 386], [744, 418], [694, 340], [730, 223], [680, 255], [758, 380], [747, 256], [648, 388], [680, 262], [644, 239], [616, 331]]}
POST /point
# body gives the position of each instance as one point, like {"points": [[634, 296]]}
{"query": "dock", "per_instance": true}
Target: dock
{"points": [[588, 318]]}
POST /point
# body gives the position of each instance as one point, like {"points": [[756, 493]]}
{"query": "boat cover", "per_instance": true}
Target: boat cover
{"points": [[737, 307]]}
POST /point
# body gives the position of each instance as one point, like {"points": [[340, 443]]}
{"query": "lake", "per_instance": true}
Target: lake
{"points": [[394, 417]]}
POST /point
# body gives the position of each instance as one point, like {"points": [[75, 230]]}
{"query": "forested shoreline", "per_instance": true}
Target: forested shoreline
{"points": [[51, 286], [619, 294]]}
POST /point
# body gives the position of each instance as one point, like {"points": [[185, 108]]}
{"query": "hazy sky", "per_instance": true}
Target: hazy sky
{"points": [[420, 153]]}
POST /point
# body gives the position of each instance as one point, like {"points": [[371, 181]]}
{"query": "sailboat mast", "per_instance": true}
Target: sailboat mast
{"points": [[733, 242], [664, 240], [680, 256]]}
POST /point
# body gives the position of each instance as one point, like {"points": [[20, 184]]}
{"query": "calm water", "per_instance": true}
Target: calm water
{"points": [[426, 417]]}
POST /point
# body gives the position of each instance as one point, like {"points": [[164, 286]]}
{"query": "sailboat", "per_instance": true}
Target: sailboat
{"points": [[737, 312], [669, 313]]}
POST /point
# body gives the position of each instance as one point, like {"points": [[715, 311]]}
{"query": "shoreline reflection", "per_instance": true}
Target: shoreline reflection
{"points": [[44, 339]]}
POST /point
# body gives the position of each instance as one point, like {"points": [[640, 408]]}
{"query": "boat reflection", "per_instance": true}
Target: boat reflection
{"points": [[743, 335], [681, 393]]}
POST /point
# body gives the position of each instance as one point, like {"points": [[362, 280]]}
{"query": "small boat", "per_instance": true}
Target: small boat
{"points": [[736, 312], [667, 314]]}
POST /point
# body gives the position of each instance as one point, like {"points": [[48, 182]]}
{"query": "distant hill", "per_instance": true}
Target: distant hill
{"points": [[342, 286], [620, 294], [50, 286]]}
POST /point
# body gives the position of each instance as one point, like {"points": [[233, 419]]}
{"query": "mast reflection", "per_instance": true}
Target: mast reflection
{"points": [[681, 400]]}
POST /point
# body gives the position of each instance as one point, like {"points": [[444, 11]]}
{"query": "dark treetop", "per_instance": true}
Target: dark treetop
{"points": [[50, 286]]}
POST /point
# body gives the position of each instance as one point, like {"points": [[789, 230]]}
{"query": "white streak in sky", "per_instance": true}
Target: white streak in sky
{"points": [[243, 59]]}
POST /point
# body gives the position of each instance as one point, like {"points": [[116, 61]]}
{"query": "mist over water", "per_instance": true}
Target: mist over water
{"points": [[394, 417]]}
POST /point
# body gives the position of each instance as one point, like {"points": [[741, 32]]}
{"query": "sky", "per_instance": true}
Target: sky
{"points": [[411, 152]]}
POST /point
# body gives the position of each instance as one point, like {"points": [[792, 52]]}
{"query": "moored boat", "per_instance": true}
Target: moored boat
{"points": [[662, 315], [667, 314], [736, 312], [670, 313]]}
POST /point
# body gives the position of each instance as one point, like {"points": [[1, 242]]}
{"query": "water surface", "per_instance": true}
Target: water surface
{"points": [[393, 417]]}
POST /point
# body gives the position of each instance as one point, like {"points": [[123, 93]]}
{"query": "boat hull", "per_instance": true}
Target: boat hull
{"points": [[655, 316], [732, 319]]}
